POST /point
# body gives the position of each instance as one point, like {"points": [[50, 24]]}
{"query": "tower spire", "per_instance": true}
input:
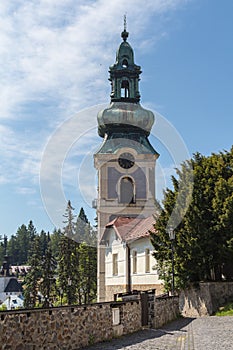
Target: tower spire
{"points": [[125, 34], [125, 22]]}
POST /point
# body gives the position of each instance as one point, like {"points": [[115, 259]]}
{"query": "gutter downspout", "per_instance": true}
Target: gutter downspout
{"points": [[128, 267]]}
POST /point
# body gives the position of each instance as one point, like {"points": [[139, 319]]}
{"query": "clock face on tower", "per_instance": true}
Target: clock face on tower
{"points": [[126, 160]]}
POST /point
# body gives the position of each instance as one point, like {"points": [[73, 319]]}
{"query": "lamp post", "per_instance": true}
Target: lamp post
{"points": [[172, 238]]}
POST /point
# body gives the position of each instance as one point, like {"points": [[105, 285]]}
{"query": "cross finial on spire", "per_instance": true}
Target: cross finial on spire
{"points": [[125, 34], [125, 22]]}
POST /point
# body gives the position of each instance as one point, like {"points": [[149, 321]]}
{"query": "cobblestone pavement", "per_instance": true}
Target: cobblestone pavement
{"points": [[206, 333]]}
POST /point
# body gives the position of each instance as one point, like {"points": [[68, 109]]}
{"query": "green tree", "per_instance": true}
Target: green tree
{"points": [[80, 228], [87, 235], [32, 279], [84, 232], [43, 242], [20, 244], [204, 236], [13, 250], [68, 260], [1, 250], [48, 282], [55, 242], [87, 274], [31, 230], [68, 263], [77, 261], [23, 244]]}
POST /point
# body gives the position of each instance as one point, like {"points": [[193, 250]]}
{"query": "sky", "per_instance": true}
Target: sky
{"points": [[54, 60]]}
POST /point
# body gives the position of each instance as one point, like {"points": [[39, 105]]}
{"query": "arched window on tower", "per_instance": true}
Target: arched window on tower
{"points": [[125, 63], [125, 88], [127, 190]]}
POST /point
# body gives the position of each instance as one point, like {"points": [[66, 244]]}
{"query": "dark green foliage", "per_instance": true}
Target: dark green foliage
{"points": [[68, 258], [87, 273], [69, 229], [43, 242], [83, 230], [226, 310], [19, 244], [68, 262], [55, 242], [1, 252], [77, 261], [31, 282], [47, 284], [61, 264], [204, 237], [31, 231]]}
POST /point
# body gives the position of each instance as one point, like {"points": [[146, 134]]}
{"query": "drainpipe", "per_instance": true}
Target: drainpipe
{"points": [[128, 273]]}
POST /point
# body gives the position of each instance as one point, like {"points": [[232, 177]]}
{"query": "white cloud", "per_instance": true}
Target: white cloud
{"points": [[61, 50], [25, 190], [54, 62]]}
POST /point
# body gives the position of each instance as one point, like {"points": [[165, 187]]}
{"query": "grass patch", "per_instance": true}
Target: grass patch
{"points": [[226, 310]]}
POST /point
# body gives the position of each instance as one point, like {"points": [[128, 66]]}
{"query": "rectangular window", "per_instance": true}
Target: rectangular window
{"points": [[134, 261], [147, 260], [115, 264]]}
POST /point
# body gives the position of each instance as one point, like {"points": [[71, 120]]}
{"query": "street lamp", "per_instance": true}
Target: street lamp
{"points": [[172, 236]]}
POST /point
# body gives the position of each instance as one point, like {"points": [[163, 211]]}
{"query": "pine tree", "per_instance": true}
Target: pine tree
{"points": [[80, 228], [87, 274], [68, 263], [31, 231], [69, 229], [43, 242], [31, 282], [87, 259], [48, 282], [55, 242], [84, 232], [68, 260], [13, 250], [22, 241], [1, 249]]}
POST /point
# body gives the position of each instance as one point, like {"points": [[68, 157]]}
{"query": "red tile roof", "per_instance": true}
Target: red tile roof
{"points": [[130, 229]]}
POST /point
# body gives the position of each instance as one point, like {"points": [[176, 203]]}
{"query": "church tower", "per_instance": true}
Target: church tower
{"points": [[126, 160]]}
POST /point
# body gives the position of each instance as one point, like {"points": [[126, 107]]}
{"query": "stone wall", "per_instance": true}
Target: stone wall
{"points": [[66, 327], [205, 298], [75, 327], [166, 309]]}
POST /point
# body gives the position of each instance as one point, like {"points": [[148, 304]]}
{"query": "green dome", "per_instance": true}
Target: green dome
{"points": [[125, 116]]}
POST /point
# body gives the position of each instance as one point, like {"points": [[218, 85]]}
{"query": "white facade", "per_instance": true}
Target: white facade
{"points": [[140, 266]]}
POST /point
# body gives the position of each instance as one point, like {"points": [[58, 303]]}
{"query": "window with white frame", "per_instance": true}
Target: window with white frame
{"points": [[115, 264], [147, 260], [134, 261]]}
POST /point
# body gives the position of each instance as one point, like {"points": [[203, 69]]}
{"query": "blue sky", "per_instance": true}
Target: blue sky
{"points": [[54, 73]]}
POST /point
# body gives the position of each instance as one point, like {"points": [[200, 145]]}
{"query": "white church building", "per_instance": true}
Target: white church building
{"points": [[126, 185]]}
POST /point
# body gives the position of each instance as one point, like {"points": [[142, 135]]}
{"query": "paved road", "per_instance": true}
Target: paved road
{"points": [[207, 333]]}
